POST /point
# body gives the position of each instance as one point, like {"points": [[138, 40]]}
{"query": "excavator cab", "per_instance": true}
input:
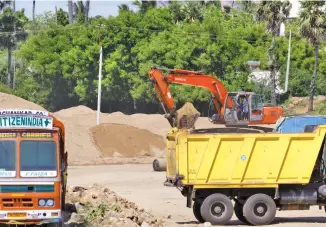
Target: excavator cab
{"points": [[246, 107]]}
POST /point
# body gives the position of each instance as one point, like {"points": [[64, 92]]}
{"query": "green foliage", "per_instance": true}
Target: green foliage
{"points": [[59, 62], [62, 17]]}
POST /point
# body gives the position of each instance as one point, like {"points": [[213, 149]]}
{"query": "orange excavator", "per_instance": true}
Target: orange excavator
{"points": [[226, 103]]}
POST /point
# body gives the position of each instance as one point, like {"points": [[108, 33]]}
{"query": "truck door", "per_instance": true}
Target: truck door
{"points": [[256, 108]]}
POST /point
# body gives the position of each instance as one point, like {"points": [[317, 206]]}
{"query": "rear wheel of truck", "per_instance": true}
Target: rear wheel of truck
{"points": [[259, 209], [217, 209], [196, 211], [238, 211]]}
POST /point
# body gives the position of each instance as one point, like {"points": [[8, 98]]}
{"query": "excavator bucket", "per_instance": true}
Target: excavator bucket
{"points": [[186, 116]]}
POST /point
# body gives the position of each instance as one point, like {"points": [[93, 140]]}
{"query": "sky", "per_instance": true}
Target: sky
{"points": [[104, 8]]}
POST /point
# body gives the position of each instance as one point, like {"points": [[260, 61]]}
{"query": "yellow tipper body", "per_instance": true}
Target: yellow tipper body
{"points": [[252, 160]]}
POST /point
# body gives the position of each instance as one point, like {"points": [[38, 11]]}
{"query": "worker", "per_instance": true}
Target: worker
{"points": [[245, 109], [239, 109]]}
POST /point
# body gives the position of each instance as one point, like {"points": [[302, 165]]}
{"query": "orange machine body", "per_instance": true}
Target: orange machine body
{"points": [[29, 192], [221, 97]]}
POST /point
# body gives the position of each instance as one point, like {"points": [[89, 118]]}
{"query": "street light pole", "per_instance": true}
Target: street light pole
{"points": [[99, 89], [288, 64]]}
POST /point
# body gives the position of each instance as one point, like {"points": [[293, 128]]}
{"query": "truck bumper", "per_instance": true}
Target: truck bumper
{"points": [[30, 216]]}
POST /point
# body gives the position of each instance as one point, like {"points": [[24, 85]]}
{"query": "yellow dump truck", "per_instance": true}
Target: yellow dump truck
{"points": [[260, 172]]}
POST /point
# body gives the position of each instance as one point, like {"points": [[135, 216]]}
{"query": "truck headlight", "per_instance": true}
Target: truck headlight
{"points": [[41, 202], [46, 202], [50, 203]]}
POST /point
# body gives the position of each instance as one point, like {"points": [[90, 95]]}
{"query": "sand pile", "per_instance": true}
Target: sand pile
{"points": [[124, 140], [99, 206], [80, 122], [8, 101]]}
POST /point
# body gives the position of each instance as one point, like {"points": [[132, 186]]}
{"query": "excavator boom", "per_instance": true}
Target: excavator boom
{"points": [[186, 77]]}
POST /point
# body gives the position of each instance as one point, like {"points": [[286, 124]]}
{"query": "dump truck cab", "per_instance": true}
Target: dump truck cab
{"points": [[33, 168]]}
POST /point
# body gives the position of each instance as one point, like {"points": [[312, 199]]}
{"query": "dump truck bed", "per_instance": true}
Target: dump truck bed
{"points": [[231, 160]]}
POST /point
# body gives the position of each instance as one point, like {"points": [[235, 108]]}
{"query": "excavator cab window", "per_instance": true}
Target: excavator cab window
{"points": [[256, 107], [238, 111]]}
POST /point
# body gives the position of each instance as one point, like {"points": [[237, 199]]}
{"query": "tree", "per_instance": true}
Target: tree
{"points": [[311, 20], [123, 7], [274, 14], [79, 12], [62, 17], [87, 10], [33, 10], [145, 5], [12, 28], [70, 12]]}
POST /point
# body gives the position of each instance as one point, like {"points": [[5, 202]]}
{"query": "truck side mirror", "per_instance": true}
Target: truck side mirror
{"points": [[65, 161]]}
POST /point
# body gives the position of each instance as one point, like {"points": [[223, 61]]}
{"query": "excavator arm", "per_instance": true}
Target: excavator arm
{"points": [[185, 77]]}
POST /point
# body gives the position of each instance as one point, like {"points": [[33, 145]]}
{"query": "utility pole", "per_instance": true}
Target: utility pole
{"points": [[288, 64], [99, 82], [14, 76]]}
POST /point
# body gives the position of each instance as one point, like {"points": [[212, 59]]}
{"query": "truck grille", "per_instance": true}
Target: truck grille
{"points": [[17, 203], [26, 188]]}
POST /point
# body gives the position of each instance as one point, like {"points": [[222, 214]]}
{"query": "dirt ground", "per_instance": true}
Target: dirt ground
{"points": [[140, 184]]}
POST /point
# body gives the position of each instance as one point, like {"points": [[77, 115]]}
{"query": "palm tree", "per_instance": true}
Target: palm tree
{"points": [[12, 25], [274, 14], [70, 12], [87, 10], [79, 12], [33, 10], [144, 5], [123, 7], [311, 21]]}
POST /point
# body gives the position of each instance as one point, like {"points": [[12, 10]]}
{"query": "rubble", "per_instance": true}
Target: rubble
{"points": [[99, 206]]}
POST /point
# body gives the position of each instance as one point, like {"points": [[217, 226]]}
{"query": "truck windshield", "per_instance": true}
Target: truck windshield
{"points": [[38, 156], [7, 155]]}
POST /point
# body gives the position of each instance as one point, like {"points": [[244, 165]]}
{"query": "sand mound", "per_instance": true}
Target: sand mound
{"points": [[125, 140], [8, 101], [77, 110], [187, 116]]}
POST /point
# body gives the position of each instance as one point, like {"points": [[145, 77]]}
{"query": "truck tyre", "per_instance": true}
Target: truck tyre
{"points": [[217, 209], [159, 165], [259, 209], [238, 211], [196, 211]]}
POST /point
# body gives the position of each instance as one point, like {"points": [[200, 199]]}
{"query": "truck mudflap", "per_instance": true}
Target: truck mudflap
{"points": [[174, 182]]}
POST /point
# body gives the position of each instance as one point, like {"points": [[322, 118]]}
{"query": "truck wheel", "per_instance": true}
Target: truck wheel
{"points": [[238, 211], [196, 211], [217, 209], [259, 209]]}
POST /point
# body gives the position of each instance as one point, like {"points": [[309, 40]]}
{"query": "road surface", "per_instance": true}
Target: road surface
{"points": [[140, 184]]}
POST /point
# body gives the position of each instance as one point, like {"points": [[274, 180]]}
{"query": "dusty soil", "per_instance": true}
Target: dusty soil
{"points": [[124, 140], [140, 184], [299, 105]]}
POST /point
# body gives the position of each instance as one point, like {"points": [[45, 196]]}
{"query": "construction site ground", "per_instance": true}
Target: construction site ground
{"points": [[127, 145], [140, 184]]}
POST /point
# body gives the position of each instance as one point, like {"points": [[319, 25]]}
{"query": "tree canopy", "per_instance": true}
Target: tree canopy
{"points": [[59, 62]]}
